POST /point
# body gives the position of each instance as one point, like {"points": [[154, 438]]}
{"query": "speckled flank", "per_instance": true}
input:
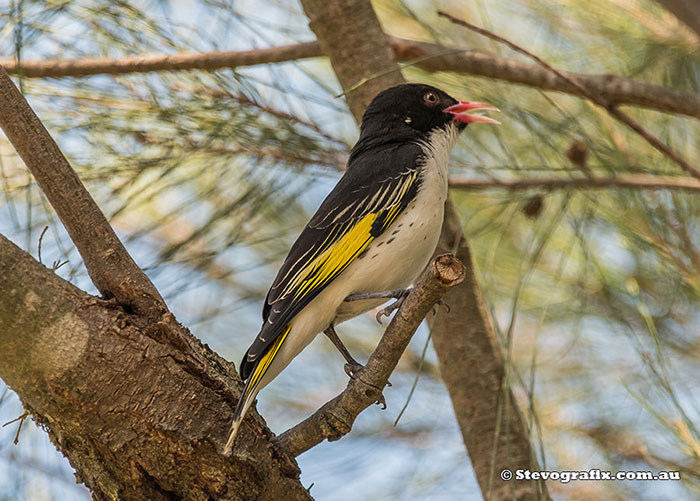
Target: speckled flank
{"points": [[392, 261], [401, 253]]}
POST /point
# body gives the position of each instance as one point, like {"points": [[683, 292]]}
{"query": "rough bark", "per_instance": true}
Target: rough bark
{"points": [[354, 25], [359, 51], [111, 268], [336, 417], [141, 409], [687, 11]]}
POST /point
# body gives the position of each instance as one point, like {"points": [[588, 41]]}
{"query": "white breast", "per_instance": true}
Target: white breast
{"points": [[392, 261], [399, 255]]}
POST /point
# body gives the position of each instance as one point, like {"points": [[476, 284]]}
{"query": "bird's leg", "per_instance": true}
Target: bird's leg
{"points": [[388, 310], [399, 294], [394, 293], [352, 365]]}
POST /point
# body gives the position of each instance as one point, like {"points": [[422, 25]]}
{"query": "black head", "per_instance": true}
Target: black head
{"points": [[415, 110]]}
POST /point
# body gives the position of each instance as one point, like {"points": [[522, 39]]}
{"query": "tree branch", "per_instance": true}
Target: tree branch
{"points": [[335, 419], [473, 369], [616, 90], [347, 24], [638, 181], [209, 61], [599, 100], [363, 69], [111, 268], [141, 409]]}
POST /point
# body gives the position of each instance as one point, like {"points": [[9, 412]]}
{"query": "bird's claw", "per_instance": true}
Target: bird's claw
{"points": [[381, 401], [388, 310], [352, 369], [442, 303]]}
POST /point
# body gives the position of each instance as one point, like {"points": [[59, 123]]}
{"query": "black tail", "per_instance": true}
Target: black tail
{"points": [[246, 367]]}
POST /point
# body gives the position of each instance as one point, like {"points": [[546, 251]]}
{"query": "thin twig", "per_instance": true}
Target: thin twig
{"points": [[19, 428], [335, 418], [41, 237], [611, 108], [415, 379], [57, 264]]}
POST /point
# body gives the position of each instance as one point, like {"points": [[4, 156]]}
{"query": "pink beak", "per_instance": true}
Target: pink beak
{"points": [[459, 114]]}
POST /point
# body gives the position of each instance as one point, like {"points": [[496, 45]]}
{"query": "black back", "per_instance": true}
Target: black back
{"points": [[385, 158]]}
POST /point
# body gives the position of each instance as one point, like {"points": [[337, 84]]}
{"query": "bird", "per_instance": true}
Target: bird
{"points": [[375, 231]]}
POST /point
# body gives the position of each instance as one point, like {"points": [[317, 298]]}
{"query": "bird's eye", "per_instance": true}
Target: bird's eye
{"points": [[431, 98]]}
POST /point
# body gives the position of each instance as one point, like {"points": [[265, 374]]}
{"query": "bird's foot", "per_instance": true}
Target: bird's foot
{"points": [[352, 369], [381, 401], [398, 294], [442, 303], [401, 296], [394, 293]]}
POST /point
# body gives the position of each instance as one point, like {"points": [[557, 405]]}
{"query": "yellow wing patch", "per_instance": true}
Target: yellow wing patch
{"points": [[346, 238], [335, 258], [265, 362], [321, 270], [353, 237]]}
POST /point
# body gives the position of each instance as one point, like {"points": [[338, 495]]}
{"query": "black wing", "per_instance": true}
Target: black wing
{"points": [[375, 189]]}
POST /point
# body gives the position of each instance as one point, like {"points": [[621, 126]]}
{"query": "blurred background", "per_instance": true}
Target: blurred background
{"points": [[209, 176]]}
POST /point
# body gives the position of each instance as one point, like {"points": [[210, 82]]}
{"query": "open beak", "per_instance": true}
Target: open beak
{"points": [[459, 112]]}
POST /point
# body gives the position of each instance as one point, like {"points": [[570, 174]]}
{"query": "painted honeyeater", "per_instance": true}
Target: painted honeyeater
{"points": [[375, 231]]}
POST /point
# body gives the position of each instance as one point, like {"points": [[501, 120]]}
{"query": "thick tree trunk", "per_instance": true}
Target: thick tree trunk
{"points": [[111, 268], [361, 55], [139, 408], [359, 51], [473, 369]]}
